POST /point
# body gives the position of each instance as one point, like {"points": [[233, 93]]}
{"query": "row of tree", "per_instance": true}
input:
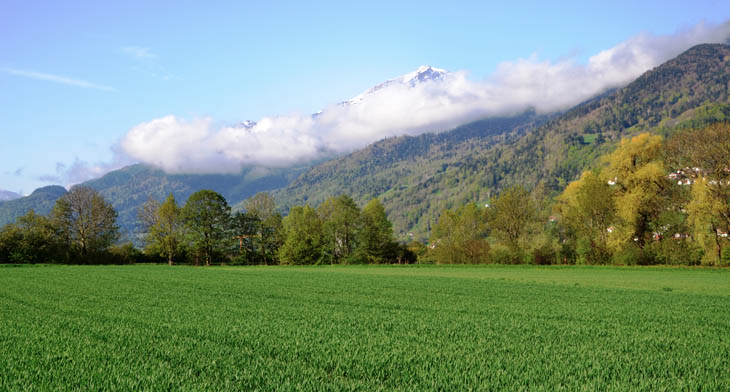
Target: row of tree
{"points": [[651, 201], [204, 229], [82, 229]]}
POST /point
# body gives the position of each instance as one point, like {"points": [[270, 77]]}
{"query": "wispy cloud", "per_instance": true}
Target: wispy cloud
{"points": [[57, 79], [146, 61], [79, 170], [139, 52]]}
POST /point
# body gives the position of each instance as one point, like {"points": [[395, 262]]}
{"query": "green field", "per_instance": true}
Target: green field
{"points": [[364, 328]]}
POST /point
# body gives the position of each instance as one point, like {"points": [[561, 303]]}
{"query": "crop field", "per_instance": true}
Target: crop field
{"points": [[364, 328]]}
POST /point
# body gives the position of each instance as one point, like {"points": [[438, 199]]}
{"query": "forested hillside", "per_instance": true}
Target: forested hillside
{"points": [[41, 201], [129, 188], [417, 177]]}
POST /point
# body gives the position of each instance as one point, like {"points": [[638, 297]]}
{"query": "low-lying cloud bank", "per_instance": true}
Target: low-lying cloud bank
{"points": [[200, 146]]}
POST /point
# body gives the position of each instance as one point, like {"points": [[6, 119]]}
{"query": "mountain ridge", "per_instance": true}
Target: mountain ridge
{"points": [[544, 155], [9, 195], [416, 177]]}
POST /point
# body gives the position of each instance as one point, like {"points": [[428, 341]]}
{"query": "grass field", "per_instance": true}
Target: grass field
{"points": [[364, 328]]}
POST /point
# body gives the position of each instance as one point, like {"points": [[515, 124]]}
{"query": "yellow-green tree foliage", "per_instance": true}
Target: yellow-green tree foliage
{"points": [[704, 154], [166, 233], [303, 237], [705, 219], [639, 190], [460, 236], [512, 216], [588, 209]]}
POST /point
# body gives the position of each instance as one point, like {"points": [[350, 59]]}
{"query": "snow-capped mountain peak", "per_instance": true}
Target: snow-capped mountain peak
{"points": [[423, 74], [248, 124]]}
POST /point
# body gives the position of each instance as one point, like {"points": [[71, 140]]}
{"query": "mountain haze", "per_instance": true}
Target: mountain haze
{"points": [[130, 187], [8, 195], [41, 201]]}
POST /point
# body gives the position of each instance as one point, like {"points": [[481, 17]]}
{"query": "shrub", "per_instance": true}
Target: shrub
{"points": [[545, 254], [627, 255]]}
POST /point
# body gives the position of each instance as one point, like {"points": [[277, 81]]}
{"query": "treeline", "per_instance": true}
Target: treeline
{"points": [[204, 231], [82, 229], [651, 201]]}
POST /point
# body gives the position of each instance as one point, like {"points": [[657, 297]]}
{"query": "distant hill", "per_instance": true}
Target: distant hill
{"points": [[130, 187], [417, 177], [8, 195], [41, 201]]}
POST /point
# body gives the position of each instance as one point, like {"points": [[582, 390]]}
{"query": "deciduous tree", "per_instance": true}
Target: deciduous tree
{"points": [[206, 215], [340, 223], [86, 221], [303, 237], [588, 208], [512, 215], [641, 187], [375, 242], [267, 239], [167, 230], [460, 236]]}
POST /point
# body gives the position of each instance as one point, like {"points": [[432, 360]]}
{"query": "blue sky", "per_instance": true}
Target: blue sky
{"points": [[76, 77]]}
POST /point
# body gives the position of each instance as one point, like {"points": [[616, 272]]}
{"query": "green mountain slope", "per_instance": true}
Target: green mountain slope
{"points": [[130, 187], [41, 201], [417, 177]]}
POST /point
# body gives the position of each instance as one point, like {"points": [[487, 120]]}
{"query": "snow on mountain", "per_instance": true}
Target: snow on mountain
{"points": [[423, 74], [248, 124]]}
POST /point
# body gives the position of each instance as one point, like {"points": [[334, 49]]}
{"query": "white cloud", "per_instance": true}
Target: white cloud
{"points": [[57, 79], [200, 146]]}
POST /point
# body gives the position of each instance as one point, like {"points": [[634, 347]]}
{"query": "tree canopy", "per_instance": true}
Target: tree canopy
{"points": [[86, 222]]}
